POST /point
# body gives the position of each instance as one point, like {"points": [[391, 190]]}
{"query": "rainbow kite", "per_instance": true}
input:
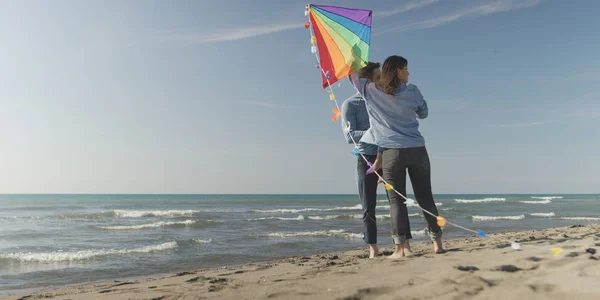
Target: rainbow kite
{"points": [[343, 37]]}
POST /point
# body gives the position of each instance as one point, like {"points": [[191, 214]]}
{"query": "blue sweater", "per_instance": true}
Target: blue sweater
{"points": [[354, 114], [393, 118]]}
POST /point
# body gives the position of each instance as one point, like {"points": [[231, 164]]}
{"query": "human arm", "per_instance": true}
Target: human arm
{"points": [[422, 109], [360, 83], [349, 123]]}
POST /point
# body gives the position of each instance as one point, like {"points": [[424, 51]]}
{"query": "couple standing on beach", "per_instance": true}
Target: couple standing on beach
{"points": [[382, 119]]}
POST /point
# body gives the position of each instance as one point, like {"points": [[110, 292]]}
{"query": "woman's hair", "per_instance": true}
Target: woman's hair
{"points": [[367, 71], [389, 81]]}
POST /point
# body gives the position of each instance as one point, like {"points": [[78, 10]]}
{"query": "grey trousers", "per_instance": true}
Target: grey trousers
{"points": [[395, 163]]}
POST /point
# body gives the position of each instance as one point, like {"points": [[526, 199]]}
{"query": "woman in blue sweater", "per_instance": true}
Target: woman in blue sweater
{"points": [[394, 106]]}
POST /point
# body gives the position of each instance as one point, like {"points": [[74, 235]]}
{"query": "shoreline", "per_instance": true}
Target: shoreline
{"points": [[471, 268]]}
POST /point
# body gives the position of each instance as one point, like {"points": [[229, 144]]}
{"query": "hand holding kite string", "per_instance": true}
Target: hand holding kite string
{"points": [[334, 29]]}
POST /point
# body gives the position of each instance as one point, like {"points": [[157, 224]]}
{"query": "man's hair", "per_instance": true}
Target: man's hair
{"points": [[367, 71]]}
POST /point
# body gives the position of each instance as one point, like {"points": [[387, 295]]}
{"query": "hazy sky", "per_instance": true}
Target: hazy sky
{"points": [[223, 97]]}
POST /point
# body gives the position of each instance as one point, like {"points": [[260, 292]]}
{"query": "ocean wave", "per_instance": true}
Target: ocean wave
{"points": [[200, 241], [581, 218], [547, 201], [330, 217], [130, 214], [548, 197], [146, 226], [495, 218], [68, 256], [409, 203], [298, 218], [153, 213], [545, 215], [484, 200], [299, 210], [320, 233]]}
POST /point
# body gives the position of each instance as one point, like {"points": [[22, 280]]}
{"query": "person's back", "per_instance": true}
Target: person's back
{"points": [[355, 121], [394, 117]]}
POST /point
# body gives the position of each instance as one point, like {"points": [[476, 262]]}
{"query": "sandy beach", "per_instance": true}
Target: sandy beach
{"points": [[472, 268]]}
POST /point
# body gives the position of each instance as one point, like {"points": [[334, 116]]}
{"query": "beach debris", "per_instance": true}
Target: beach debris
{"points": [[124, 283], [184, 273], [576, 226], [467, 268], [441, 221], [556, 251], [572, 254], [508, 268], [534, 258], [481, 233], [531, 238], [515, 245], [193, 279], [591, 251], [104, 291]]}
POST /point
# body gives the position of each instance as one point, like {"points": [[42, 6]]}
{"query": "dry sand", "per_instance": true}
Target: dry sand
{"points": [[473, 268]]}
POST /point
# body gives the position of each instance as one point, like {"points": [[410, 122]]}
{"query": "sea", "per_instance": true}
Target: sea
{"points": [[56, 240]]}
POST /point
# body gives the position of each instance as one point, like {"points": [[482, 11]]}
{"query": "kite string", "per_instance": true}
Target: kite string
{"points": [[361, 154]]}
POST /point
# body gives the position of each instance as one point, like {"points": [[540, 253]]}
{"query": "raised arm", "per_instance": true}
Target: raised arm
{"points": [[349, 120], [360, 83], [422, 109]]}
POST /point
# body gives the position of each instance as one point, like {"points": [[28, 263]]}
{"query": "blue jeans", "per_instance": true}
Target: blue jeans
{"points": [[367, 191]]}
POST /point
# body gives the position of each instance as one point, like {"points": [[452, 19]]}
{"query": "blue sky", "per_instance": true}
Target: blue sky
{"points": [[223, 96]]}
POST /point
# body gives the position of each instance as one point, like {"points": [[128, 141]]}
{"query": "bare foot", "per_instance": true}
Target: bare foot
{"points": [[399, 251], [438, 247], [407, 249], [373, 251]]}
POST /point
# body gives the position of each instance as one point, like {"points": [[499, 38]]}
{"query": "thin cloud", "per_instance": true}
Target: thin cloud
{"points": [[404, 8], [468, 12], [528, 124], [239, 33]]}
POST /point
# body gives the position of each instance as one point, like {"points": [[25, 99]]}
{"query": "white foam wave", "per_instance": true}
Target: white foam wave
{"points": [[329, 217], [58, 256], [545, 215], [383, 201], [581, 218], [484, 200], [152, 213], [199, 241], [298, 218], [548, 198], [495, 218], [151, 225], [329, 233], [547, 201]]}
